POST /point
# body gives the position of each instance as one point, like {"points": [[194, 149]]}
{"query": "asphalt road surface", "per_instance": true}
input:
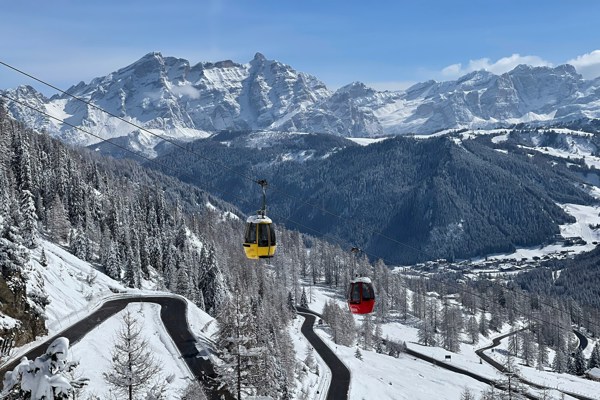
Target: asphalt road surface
{"points": [[173, 314], [501, 368], [340, 375]]}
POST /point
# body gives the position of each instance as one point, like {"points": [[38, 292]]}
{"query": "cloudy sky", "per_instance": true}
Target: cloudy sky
{"points": [[386, 44]]}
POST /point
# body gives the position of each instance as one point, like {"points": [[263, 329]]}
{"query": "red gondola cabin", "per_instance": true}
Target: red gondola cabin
{"points": [[361, 296]]}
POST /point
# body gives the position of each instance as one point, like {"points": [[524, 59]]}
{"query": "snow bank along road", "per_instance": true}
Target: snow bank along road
{"points": [[173, 314], [340, 375]]}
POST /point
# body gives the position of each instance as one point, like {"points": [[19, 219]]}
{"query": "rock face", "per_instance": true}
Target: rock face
{"points": [[21, 320], [172, 98]]}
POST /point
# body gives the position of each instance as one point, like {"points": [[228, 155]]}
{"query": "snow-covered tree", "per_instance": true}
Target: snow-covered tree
{"points": [[358, 354], [303, 300], [378, 338], [13, 255], [309, 360], [527, 347], [594, 360], [542, 353], [134, 370], [193, 392], [578, 362], [43, 259], [483, 325], [559, 364], [366, 331], [45, 378], [29, 222], [473, 330], [513, 343], [290, 303], [450, 328], [426, 334], [467, 395]]}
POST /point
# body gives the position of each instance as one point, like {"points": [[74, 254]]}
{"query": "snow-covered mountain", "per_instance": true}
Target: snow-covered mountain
{"points": [[174, 99]]}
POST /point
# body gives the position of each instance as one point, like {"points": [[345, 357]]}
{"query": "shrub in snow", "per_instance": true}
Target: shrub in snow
{"points": [[45, 378]]}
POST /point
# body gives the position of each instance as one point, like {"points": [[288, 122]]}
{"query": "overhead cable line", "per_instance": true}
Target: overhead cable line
{"points": [[334, 238], [188, 150], [185, 148]]}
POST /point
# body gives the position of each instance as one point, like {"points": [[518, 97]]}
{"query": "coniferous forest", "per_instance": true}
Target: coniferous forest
{"points": [[435, 198], [138, 225]]}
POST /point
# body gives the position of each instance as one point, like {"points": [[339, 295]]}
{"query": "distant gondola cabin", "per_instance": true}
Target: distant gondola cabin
{"points": [[361, 296], [259, 240]]}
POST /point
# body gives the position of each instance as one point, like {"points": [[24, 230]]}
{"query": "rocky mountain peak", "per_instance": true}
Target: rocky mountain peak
{"points": [[186, 101]]}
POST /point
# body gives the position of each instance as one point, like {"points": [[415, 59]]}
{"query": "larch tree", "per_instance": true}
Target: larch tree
{"points": [[366, 331], [472, 330], [134, 370]]}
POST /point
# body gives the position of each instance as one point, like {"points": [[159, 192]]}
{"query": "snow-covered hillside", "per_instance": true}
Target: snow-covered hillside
{"points": [[173, 99], [75, 289]]}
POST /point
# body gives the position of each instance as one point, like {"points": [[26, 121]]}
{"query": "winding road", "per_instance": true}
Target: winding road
{"points": [[173, 314], [340, 374], [496, 342]]}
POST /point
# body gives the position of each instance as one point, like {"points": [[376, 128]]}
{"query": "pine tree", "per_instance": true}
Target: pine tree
{"points": [[236, 340], [542, 356], [58, 222], [358, 354], [134, 369], [467, 395], [29, 228], [290, 303], [43, 259], [303, 300], [79, 244], [450, 328], [578, 362], [13, 255], [310, 359], [111, 264], [594, 360], [559, 364]]}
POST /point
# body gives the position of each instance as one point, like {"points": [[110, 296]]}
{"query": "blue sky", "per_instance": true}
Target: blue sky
{"points": [[387, 44]]}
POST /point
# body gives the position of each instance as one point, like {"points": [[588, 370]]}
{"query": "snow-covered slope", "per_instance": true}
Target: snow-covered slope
{"points": [[174, 99], [74, 289]]}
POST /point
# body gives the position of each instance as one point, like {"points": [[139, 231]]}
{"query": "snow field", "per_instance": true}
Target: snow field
{"points": [[380, 376], [94, 351]]}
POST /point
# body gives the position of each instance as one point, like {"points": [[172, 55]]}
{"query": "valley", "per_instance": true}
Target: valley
{"points": [[472, 205]]}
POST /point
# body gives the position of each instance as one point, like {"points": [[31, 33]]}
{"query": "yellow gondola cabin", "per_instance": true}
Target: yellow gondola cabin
{"points": [[259, 240]]}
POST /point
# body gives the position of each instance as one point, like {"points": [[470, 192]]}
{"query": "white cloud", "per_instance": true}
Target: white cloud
{"points": [[587, 64], [500, 66], [186, 90]]}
